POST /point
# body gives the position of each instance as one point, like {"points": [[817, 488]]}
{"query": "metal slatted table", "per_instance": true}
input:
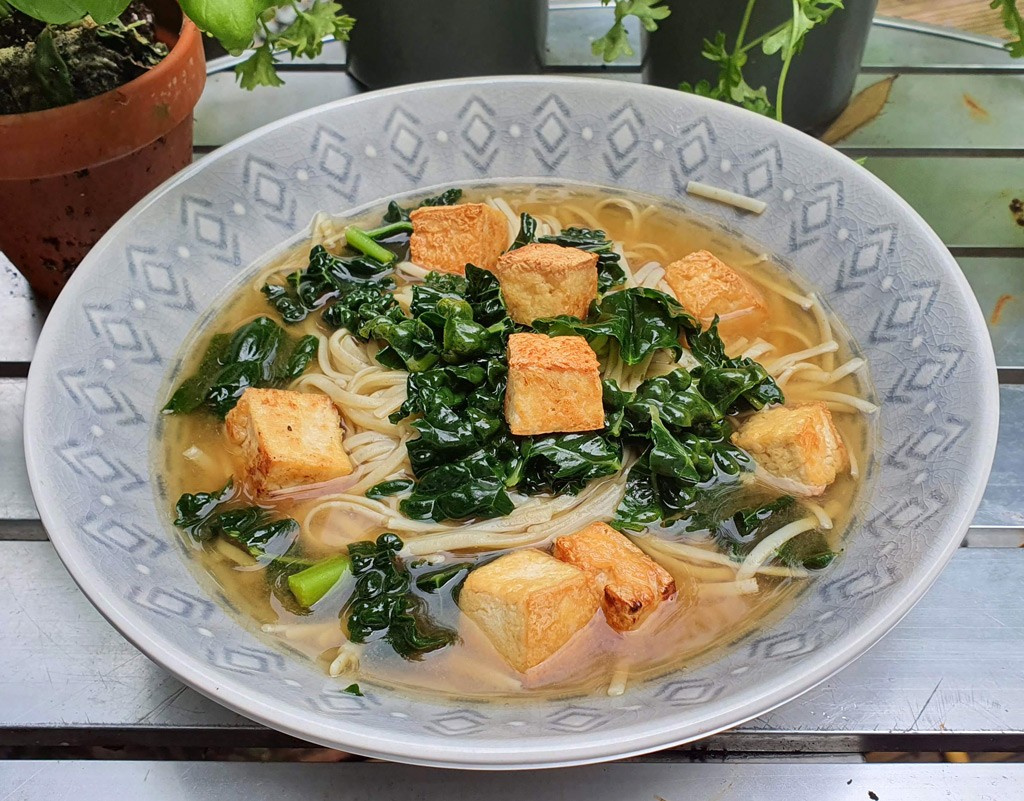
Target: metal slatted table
{"points": [[950, 677]]}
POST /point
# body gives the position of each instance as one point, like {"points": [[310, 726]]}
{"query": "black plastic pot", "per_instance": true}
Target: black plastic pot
{"points": [[405, 41], [820, 79]]}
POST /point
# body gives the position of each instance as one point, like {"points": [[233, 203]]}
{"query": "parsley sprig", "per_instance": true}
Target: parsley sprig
{"points": [[303, 38], [785, 40], [615, 43]]}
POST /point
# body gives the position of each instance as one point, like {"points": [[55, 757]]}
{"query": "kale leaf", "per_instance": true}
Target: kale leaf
{"points": [[471, 487], [685, 450], [809, 550], [382, 605], [326, 278], [731, 384], [678, 402], [254, 530], [452, 576], [639, 507], [361, 306], [527, 232], [565, 463], [258, 354], [205, 515], [640, 320], [386, 489], [396, 213], [193, 511]]}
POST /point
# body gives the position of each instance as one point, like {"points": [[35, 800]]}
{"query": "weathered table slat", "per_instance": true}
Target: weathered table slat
{"points": [[67, 676], [21, 318], [966, 200], [169, 781], [900, 44], [998, 283], [1000, 507], [950, 112], [15, 494]]}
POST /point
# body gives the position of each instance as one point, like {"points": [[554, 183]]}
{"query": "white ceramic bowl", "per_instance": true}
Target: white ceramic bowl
{"points": [[93, 393]]}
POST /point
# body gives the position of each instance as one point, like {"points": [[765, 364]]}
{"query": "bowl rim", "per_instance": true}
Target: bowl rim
{"points": [[452, 752]]}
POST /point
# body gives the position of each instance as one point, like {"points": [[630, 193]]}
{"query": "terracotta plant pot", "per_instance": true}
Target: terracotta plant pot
{"points": [[67, 174]]}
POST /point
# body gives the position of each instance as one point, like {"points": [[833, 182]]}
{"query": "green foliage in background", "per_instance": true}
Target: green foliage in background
{"points": [[785, 40], [239, 25]]}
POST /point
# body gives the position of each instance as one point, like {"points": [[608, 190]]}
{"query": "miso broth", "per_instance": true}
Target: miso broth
{"points": [[711, 608]]}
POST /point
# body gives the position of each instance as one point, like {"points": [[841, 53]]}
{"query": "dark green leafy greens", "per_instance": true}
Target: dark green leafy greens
{"points": [[639, 321], [736, 534], [326, 278], [388, 488], [205, 515], [382, 605], [732, 384], [473, 486], [259, 354], [451, 576], [566, 463], [396, 213]]}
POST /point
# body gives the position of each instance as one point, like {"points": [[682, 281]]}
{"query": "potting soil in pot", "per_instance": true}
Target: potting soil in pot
{"points": [[44, 67]]}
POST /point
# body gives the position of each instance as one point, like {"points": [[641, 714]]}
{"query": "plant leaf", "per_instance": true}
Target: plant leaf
{"points": [[61, 12], [260, 69], [232, 22]]}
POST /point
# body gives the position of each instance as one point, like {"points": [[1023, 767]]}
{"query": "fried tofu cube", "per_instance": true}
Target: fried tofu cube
{"points": [[799, 443], [528, 604], [554, 385], [707, 286], [632, 585], [543, 280], [447, 238], [288, 439]]}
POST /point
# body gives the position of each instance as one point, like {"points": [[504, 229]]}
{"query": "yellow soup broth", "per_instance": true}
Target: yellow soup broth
{"points": [[710, 610]]}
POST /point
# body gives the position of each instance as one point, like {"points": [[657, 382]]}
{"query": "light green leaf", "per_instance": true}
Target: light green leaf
{"points": [[232, 22], [60, 12], [304, 37], [615, 43], [1014, 24], [259, 69], [789, 39]]}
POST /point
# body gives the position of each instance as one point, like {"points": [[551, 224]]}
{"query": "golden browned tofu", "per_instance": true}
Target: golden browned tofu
{"points": [[554, 385], [288, 439], [707, 286], [541, 280], [447, 238], [631, 583], [528, 604], [799, 443]]}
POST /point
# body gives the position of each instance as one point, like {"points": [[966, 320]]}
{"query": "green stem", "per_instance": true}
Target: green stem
{"points": [[752, 44], [310, 585], [362, 242], [785, 66], [744, 25], [388, 231]]}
